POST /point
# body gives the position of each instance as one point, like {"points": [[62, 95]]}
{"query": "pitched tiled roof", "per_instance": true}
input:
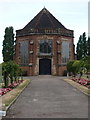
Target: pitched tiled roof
{"points": [[44, 19], [44, 23]]}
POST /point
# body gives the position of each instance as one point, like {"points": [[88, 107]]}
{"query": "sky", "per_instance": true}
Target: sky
{"points": [[73, 14]]}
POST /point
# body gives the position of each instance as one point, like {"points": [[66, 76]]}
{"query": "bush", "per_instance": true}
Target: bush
{"points": [[73, 67], [10, 70], [79, 66]]}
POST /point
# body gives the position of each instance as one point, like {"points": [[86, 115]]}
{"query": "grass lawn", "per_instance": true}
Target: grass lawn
{"points": [[85, 77], [11, 96]]}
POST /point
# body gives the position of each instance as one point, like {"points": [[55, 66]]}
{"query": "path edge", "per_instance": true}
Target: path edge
{"points": [[29, 81], [82, 88]]}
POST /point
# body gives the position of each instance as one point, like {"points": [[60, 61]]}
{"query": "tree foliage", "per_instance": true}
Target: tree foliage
{"points": [[86, 61], [69, 66], [79, 48], [82, 47], [76, 67], [10, 71], [73, 67], [8, 44], [79, 66], [88, 46]]}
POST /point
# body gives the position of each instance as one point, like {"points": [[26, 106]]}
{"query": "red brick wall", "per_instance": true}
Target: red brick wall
{"points": [[34, 47]]}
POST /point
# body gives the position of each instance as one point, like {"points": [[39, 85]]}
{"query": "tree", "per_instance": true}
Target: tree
{"points": [[8, 44], [87, 63], [79, 48], [10, 71], [69, 66], [76, 67], [16, 71], [73, 66], [82, 47], [81, 68], [5, 72], [88, 46]]}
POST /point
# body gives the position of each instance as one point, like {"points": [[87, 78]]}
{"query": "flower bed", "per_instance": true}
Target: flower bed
{"points": [[10, 87], [82, 81], [4, 91]]}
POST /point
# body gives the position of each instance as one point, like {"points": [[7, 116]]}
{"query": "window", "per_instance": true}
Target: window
{"points": [[45, 47], [65, 52], [24, 52]]}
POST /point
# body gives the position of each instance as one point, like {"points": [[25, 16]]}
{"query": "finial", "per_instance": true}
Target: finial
{"points": [[44, 3]]}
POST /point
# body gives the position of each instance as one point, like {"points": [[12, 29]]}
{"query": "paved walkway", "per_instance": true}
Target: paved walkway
{"points": [[49, 97]]}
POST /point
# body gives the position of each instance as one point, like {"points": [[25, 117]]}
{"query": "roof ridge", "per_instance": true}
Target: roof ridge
{"points": [[38, 19], [50, 18]]}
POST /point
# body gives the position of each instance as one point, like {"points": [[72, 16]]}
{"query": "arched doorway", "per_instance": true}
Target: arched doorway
{"points": [[44, 66]]}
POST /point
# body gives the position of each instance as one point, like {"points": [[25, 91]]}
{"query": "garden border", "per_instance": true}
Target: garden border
{"points": [[18, 93], [82, 88]]}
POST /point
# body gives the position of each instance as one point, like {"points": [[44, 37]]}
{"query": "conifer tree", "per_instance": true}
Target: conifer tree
{"points": [[84, 45], [81, 47], [8, 44], [88, 46]]}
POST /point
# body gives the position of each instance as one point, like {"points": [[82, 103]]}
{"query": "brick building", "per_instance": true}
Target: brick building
{"points": [[44, 45]]}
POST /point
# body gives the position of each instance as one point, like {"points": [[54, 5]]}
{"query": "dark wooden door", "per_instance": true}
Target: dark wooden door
{"points": [[45, 66]]}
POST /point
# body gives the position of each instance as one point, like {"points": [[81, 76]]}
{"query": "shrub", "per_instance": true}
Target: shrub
{"points": [[10, 70]]}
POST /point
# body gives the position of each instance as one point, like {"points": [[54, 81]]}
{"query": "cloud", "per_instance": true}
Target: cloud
{"points": [[71, 13]]}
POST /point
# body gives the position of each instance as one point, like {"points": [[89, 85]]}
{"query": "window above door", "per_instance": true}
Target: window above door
{"points": [[45, 47]]}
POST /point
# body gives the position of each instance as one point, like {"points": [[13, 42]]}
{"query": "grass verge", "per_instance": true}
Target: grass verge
{"points": [[11, 96], [82, 88]]}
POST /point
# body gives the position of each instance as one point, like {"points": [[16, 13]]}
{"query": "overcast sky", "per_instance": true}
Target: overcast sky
{"points": [[73, 14]]}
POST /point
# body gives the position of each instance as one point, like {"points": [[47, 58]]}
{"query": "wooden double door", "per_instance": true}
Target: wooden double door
{"points": [[44, 66]]}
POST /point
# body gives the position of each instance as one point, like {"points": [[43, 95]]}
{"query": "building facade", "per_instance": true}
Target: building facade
{"points": [[44, 46]]}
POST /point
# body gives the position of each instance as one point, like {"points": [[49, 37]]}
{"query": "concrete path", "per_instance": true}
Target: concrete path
{"points": [[49, 97]]}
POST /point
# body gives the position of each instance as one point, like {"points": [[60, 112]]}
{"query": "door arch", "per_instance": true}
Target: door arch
{"points": [[44, 66]]}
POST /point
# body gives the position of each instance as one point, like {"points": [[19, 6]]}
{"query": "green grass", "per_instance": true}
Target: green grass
{"points": [[85, 77]]}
